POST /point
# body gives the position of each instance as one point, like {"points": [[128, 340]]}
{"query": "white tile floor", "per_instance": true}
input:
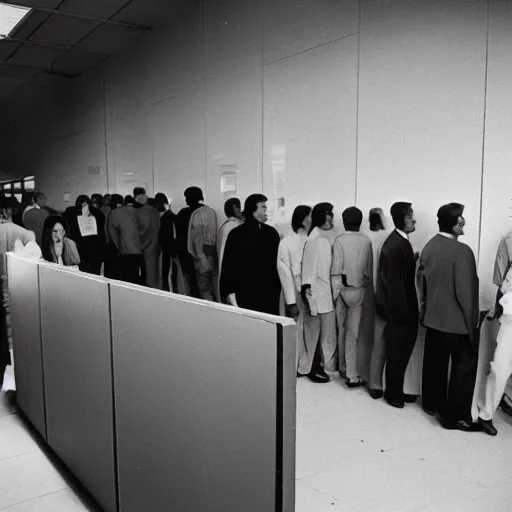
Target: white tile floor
{"points": [[353, 455]]}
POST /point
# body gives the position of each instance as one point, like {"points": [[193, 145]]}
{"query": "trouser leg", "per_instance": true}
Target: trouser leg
{"points": [[311, 338], [436, 360], [328, 340], [400, 340], [166, 270], [341, 320], [205, 280], [353, 299], [303, 365], [462, 379], [378, 356]]}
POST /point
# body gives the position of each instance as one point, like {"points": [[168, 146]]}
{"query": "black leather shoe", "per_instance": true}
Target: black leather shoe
{"points": [[376, 394], [488, 427], [410, 399], [462, 425], [399, 404], [319, 376], [505, 407], [356, 384]]}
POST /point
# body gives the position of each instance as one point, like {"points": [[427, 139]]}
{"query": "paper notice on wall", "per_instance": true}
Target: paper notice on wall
{"points": [[278, 160], [228, 181]]}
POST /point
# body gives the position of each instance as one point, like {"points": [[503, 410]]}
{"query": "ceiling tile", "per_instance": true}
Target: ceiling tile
{"points": [[38, 56], [33, 22], [151, 13], [102, 9], [108, 39], [75, 62], [6, 49], [63, 30]]}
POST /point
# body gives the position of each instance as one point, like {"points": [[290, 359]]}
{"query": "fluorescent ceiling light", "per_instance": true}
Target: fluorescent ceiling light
{"points": [[10, 17]]}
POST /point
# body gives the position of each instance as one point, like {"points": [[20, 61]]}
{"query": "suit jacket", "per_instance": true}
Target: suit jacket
{"points": [[448, 284], [396, 296]]}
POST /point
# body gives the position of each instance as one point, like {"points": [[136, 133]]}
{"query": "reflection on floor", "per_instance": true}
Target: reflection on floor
{"points": [[353, 455]]}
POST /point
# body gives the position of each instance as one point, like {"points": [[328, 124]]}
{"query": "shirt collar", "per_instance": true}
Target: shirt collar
{"points": [[447, 235], [401, 233]]}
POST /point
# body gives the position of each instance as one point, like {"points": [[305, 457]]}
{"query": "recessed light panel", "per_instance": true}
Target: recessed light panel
{"points": [[10, 17]]}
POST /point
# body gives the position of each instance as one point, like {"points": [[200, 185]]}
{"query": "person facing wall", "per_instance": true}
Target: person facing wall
{"points": [[289, 267], [148, 220], [233, 212], [316, 291], [168, 243], [123, 228], [56, 247], [448, 286], [351, 274], [397, 301]]}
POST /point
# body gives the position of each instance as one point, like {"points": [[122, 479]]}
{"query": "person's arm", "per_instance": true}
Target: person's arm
{"points": [[337, 269], [422, 291], [284, 269], [113, 230], [368, 273], [466, 289], [230, 272]]}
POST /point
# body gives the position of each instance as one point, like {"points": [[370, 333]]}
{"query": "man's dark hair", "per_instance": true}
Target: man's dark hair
{"points": [[10, 203], [251, 204], [36, 196], [375, 218], [138, 191], [129, 200], [352, 218], [448, 216], [230, 205], [97, 198], [194, 194], [319, 213], [160, 201], [299, 214], [81, 199], [116, 200], [398, 213]]}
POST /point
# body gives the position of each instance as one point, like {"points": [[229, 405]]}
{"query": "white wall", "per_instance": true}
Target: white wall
{"points": [[348, 101]]}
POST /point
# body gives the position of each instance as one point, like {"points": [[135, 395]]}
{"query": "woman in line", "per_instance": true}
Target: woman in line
{"points": [[168, 243], [289, 267], [56, 246], [87, 230]]}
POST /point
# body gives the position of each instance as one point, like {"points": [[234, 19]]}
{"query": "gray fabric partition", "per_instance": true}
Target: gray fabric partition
{"points": [[77, 357], [202, 425], [26, 332]]}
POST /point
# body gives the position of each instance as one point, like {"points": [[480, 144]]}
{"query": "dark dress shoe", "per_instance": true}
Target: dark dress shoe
{"points": [[488, 427], [376, 393], [505, 407], [356, 384], [462, 425], [410, 399], [394, 402], [319, 376], [430, 412]]}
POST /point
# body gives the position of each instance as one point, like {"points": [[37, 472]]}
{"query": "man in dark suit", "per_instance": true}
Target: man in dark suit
{"points": [[397, 302], [448, 284]]}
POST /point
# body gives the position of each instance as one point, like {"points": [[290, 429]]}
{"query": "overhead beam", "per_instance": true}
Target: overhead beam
{"points": [[37, 69], [92, 18], [37, 43]]}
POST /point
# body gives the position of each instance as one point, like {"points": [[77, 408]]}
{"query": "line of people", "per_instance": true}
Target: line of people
{"points": [[326, 279]]}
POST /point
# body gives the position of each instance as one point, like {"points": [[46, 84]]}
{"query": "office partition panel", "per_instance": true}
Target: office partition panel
{"points": [[202, 424], [75, 322], [23, 279]]}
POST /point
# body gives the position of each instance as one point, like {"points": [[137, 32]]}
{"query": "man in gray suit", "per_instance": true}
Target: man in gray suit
{"points": [[449, 309]]}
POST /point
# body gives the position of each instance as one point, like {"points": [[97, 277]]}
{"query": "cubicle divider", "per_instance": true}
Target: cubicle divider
{"points": [[157, 401], [77, 358], [26, 330]]}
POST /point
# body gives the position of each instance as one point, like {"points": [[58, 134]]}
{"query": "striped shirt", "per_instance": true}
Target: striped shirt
{"points": [[202, 230]]}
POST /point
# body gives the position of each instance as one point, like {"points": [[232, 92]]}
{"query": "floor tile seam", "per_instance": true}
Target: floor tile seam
{"points": [[342, 502], [9, 457], [34, 498]]}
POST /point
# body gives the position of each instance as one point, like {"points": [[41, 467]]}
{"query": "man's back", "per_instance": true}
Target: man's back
{"points": [[449, 284], [124, 230], [503, 259], [352, 257]]}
